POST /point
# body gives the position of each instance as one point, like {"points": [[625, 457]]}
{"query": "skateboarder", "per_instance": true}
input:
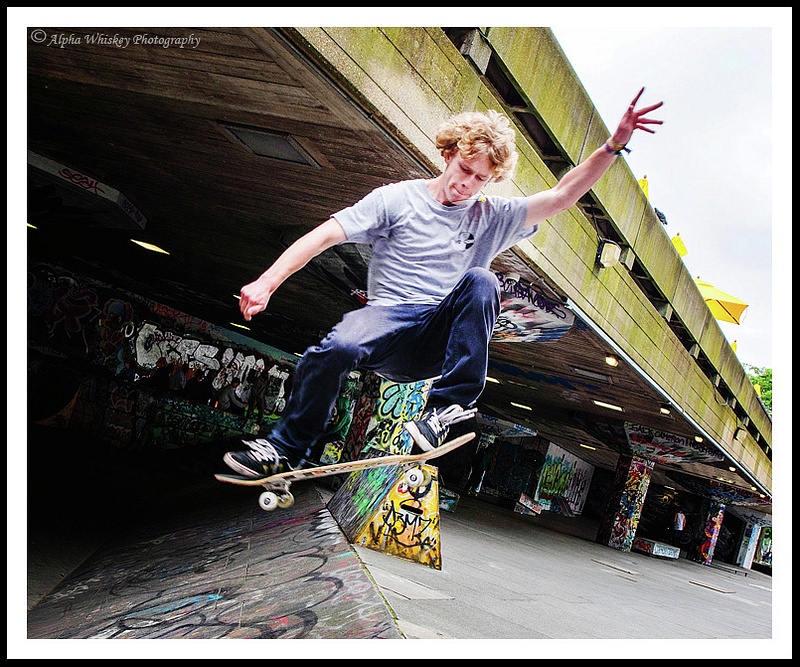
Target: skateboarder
{"points": [[432, 300]]}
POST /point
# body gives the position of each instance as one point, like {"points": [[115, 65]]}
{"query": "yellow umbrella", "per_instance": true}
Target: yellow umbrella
{"points": [[677, 241], [722, 305], [645, 186]]}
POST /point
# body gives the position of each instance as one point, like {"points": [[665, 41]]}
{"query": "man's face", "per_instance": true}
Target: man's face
{"points": [[464, 178]]}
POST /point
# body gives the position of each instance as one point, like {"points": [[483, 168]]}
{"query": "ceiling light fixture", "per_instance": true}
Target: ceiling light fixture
{"points": [[611, 360], [610, 406], [519, 405], [698, 438], [239, 326], [491, 379], [594, 449], [150, 246], [608, 253], [665, 409]]}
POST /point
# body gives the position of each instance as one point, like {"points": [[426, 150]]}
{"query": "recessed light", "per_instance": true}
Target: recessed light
{"points": [[698, 438], [664, 409], [594, 449], [592, 375], [611, 360], [272, 144]]}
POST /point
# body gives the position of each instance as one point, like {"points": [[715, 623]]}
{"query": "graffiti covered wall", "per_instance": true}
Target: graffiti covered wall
{"points": [[564, 478], [95, 353]]}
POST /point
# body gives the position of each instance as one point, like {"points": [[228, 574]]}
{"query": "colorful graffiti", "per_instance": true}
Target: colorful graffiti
{"points": [[718, 491], [565, 478], [665, 448], [119, 340], [341, 420], [406, 524], [710, 534], [375, 507], [233, 573], [618, 526], [526, 315], [763, 554], [358, 434], [397, 403]]}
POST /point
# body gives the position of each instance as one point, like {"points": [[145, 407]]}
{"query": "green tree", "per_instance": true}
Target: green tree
{"points": [[761, 378]]}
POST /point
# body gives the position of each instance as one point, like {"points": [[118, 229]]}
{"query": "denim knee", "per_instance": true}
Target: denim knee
{"points": [[484, 283]]}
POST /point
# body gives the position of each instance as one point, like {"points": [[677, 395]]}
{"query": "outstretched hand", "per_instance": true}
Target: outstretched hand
{"points": [[253, 298], [635, 119]]}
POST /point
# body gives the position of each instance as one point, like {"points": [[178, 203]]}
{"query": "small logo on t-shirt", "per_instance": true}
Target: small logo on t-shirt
{"points": [[464, 241]]}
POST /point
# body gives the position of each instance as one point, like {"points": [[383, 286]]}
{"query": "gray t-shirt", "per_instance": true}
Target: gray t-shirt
{"points": [[421, 248]]}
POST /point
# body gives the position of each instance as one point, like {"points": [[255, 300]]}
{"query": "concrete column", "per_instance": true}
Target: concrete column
{"points": [[376, 508], [618, 525], [705, 550], [747, 549]]}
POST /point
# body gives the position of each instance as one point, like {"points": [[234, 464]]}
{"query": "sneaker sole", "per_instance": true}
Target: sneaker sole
{"points": [[418, 438]]}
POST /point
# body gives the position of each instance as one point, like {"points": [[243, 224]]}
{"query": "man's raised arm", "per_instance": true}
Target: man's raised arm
{"points": [[578, 181]]}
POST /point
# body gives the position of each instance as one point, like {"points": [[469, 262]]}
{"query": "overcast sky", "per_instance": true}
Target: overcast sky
{"points": [[709, 167]]}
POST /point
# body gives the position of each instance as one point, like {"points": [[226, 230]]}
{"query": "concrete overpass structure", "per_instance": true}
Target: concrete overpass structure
{"points": [[225, 149]]}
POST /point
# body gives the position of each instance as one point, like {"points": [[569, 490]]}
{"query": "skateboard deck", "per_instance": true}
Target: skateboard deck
{"points": [[277, 493]]}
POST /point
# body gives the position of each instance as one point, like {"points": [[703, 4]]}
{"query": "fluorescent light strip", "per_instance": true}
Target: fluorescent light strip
{"points": [[608, 405], [592, 325], [150, 246]]}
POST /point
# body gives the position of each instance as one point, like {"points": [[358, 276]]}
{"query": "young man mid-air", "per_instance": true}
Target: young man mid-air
{"points": [[432, 300]]}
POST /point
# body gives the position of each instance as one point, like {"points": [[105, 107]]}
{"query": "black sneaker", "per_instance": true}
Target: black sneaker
{"points": [[430, 430], [263, 459]]}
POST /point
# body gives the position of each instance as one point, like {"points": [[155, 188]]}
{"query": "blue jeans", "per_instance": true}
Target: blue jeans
{"points": [[405, 343]]}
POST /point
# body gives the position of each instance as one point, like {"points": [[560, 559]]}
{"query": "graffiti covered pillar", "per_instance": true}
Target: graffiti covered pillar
{"points": [[747, 548], [376, 508], [621, 517], [705, 551]]}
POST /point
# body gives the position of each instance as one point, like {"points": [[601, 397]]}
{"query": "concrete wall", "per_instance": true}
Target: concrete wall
{"points": [[411, 79]]}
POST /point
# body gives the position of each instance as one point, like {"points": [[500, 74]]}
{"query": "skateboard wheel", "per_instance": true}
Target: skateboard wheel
{"points": [[285, 500], [268, 501], [416, 477]]}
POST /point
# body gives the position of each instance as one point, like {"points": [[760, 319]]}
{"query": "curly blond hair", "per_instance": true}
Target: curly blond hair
{"points": [[471, 133]]}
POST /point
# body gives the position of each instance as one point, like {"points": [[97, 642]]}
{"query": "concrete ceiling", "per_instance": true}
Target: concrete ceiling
{"points": [[160, 125]]}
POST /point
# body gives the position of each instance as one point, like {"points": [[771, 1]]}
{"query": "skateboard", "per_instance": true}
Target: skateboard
{"points": [[277, 487]]}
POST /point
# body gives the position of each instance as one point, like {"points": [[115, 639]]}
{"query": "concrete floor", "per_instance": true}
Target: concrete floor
{"points": [[504, 575]]}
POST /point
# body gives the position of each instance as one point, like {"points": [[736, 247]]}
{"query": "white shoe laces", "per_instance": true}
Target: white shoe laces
{"points": [[439, 421], [263, 450]]}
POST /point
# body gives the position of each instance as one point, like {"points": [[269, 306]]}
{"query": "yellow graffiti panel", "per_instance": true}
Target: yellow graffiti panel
{"points": [[406, 523]]}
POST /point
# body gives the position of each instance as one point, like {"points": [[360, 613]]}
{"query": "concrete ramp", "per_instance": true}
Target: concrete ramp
{"points": [[227, 570]]}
